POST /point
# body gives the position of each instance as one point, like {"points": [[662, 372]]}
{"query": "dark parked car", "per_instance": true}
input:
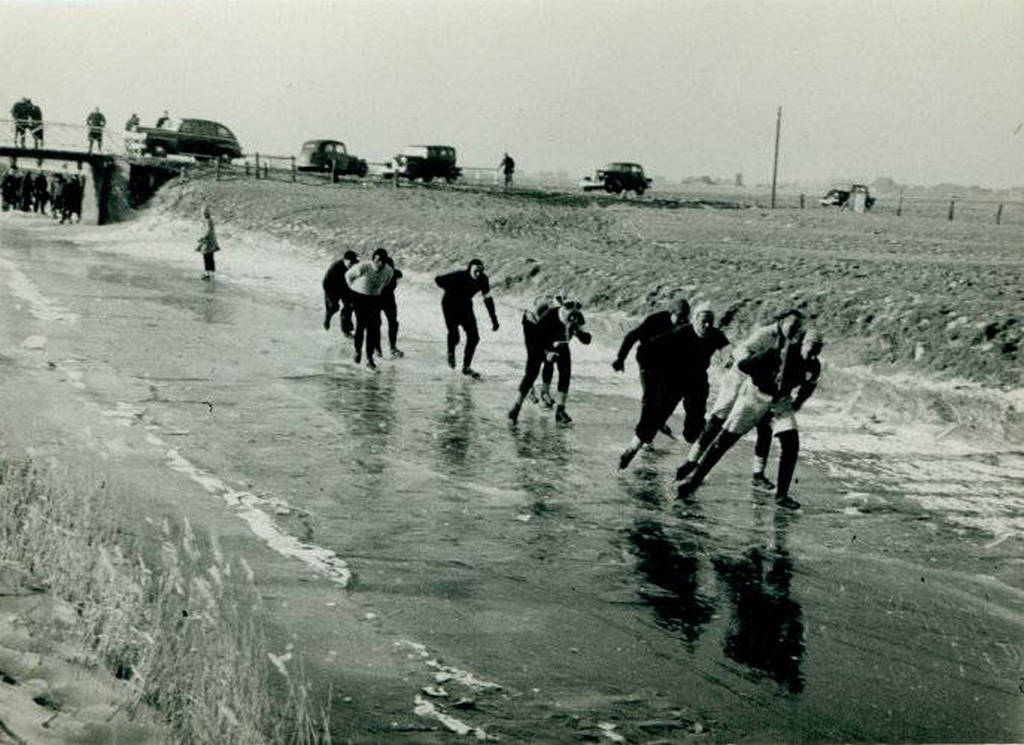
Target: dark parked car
{"points": [[427, 162], [331, 156], [197, 137], [618, 177]]}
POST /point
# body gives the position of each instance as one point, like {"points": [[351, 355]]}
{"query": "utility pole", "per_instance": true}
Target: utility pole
{"points": [[775, 165]]}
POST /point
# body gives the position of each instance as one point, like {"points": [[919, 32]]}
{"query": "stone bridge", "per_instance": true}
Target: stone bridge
{"points": [[116, 180]]}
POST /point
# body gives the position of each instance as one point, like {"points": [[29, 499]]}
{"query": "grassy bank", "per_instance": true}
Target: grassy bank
{"points": [[901, 294], [183, 632]]}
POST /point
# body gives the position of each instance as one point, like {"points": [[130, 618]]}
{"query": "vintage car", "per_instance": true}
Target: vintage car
{"points": [[199, 138], [841, 197], [427, 162], [615, 178], [330, 156]]}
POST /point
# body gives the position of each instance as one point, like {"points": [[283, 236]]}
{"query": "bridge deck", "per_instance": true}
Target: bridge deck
{"points": [[76, 156]]}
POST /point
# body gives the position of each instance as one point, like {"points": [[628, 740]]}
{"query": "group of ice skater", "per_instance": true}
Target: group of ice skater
{"points": [[767, 377]]}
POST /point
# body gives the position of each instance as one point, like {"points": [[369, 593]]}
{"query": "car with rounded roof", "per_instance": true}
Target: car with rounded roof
{"points": [[330, 156], [201, 138]]}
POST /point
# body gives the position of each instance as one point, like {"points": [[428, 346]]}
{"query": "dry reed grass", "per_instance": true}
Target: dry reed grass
{"points": [[186, 633]]}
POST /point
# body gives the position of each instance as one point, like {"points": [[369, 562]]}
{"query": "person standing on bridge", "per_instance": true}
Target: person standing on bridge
{"points": [[164, 120], [21, 113], [508, 167], [457, 306], [96, 122], [35, 115], [132, 124], [208, 245]]}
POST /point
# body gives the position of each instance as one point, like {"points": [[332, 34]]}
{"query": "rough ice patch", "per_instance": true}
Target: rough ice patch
{"points": [[249, 507], [39, 305], [424, 708]]}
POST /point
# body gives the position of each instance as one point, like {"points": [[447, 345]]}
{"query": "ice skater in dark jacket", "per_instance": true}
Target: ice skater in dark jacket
{"points": [[658, 356], [337, 295], [457, 305], [389, 306], [548, 328]]}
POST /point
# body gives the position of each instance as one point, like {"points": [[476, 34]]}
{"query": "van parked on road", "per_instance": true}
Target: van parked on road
{"points": [[427, 162]]}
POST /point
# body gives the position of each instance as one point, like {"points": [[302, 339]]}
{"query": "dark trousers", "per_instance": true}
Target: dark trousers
{"points": [[367, 310], [537, 360], [390, 309], [453, 319], [695, 401], [208, 263], [660, 397], [332, 305]]}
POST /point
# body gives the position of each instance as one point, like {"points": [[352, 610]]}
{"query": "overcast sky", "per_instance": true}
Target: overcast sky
{"points": [[924, 92]]}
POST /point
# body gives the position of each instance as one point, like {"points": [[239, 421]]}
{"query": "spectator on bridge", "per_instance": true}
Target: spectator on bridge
{"points": [[164, 120], [508, 167], [21, 113], [132, 124], [96, 122], [35, 115]]}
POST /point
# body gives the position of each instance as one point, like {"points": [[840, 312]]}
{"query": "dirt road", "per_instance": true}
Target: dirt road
{"points": [[444, 572]]}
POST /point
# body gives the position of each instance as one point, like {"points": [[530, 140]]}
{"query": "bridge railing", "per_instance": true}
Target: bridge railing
{"points": [[58, 136]]}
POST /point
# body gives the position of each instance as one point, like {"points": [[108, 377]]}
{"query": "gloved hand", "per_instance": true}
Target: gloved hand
{"points": [[584, 337], [618, 365]]}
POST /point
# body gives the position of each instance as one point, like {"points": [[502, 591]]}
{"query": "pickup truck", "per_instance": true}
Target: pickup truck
{"points": [[618, 177], [199, 138]]}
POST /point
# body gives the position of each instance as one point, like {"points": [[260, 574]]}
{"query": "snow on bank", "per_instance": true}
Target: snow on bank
{"points": [[941, 445]]}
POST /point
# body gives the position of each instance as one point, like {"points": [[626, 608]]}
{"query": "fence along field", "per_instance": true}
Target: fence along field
{"points": [[955, 207]]}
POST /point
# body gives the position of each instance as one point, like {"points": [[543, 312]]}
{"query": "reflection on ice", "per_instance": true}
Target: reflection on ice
{"points": [[767, 630]]}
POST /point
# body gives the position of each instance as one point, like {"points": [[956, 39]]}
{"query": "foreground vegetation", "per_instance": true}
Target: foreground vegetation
{"points": [[183, 630]]}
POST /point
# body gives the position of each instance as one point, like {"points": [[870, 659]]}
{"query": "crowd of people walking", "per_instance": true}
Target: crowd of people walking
{"points": [[35, 191]]}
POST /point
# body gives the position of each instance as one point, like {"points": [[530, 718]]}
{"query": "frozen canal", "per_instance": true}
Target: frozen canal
{"points": [[407, 538]]}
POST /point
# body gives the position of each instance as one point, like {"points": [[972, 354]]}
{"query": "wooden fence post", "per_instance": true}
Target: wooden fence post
{"points": [[952, 204], [899, 206], [266, 168], [334, 170], [801, 201], [257, 165], [218, 170], [999, 214], [293, 169]]}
